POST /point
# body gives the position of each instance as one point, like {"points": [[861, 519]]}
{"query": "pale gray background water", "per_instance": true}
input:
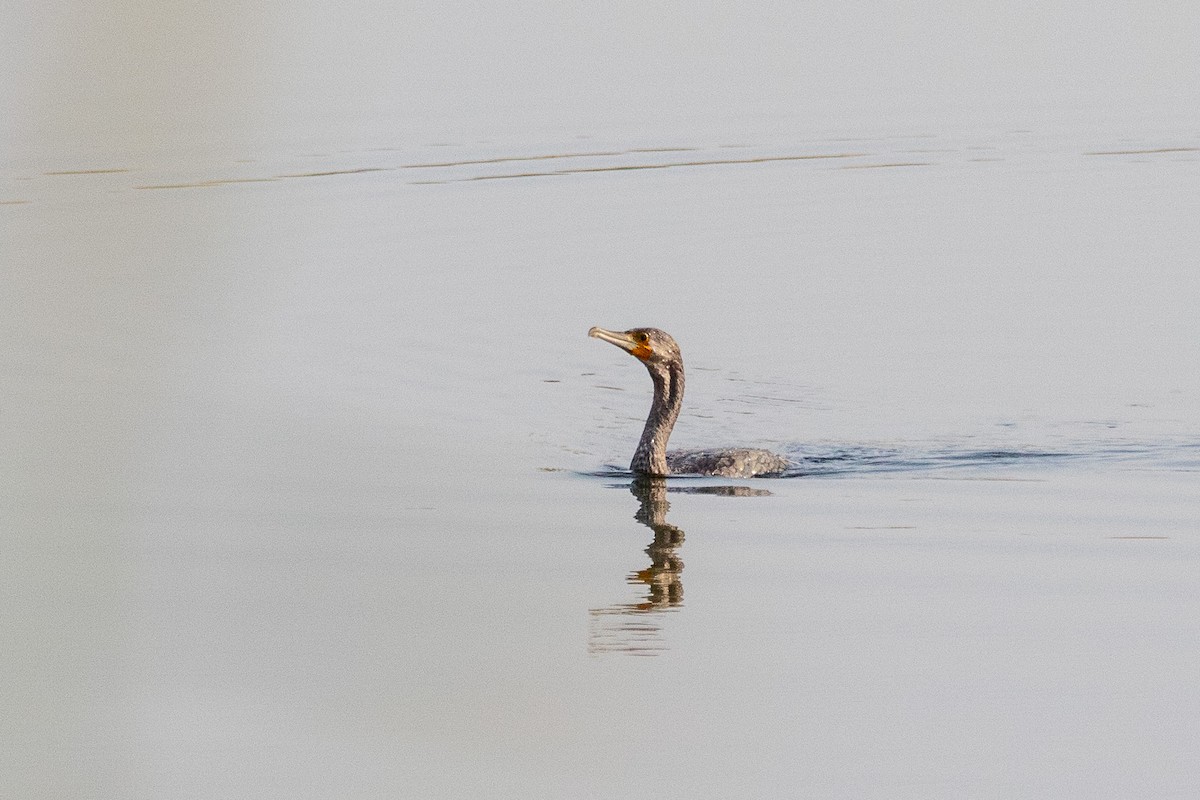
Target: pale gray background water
{"points": [[310, 480]]}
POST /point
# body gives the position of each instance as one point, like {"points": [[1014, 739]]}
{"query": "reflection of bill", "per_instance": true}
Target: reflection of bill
{"points": [[631, 627]]}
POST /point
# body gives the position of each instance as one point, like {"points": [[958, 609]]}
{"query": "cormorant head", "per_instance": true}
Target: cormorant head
{"points": [[651, 346]]}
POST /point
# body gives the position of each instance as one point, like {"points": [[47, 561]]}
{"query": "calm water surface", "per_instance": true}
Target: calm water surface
{"points": [[313, 484]]}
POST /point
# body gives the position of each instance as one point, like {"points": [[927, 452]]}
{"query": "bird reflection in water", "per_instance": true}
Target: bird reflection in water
{"points": [[632, 627]]}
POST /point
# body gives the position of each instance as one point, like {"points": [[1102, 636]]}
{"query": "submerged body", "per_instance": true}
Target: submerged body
{"points": [[660, 353]]}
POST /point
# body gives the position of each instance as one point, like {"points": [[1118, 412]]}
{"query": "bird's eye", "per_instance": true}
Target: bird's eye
{"points": [[643, 338]]}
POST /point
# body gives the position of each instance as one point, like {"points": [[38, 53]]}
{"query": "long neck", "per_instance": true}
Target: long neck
{"points": [[651, 455]]}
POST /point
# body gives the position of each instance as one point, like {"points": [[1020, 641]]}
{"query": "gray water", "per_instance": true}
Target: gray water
{"points": [[312, 484]]}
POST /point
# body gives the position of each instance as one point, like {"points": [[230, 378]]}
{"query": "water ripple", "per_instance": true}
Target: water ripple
{"points": [[847, 460]]}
